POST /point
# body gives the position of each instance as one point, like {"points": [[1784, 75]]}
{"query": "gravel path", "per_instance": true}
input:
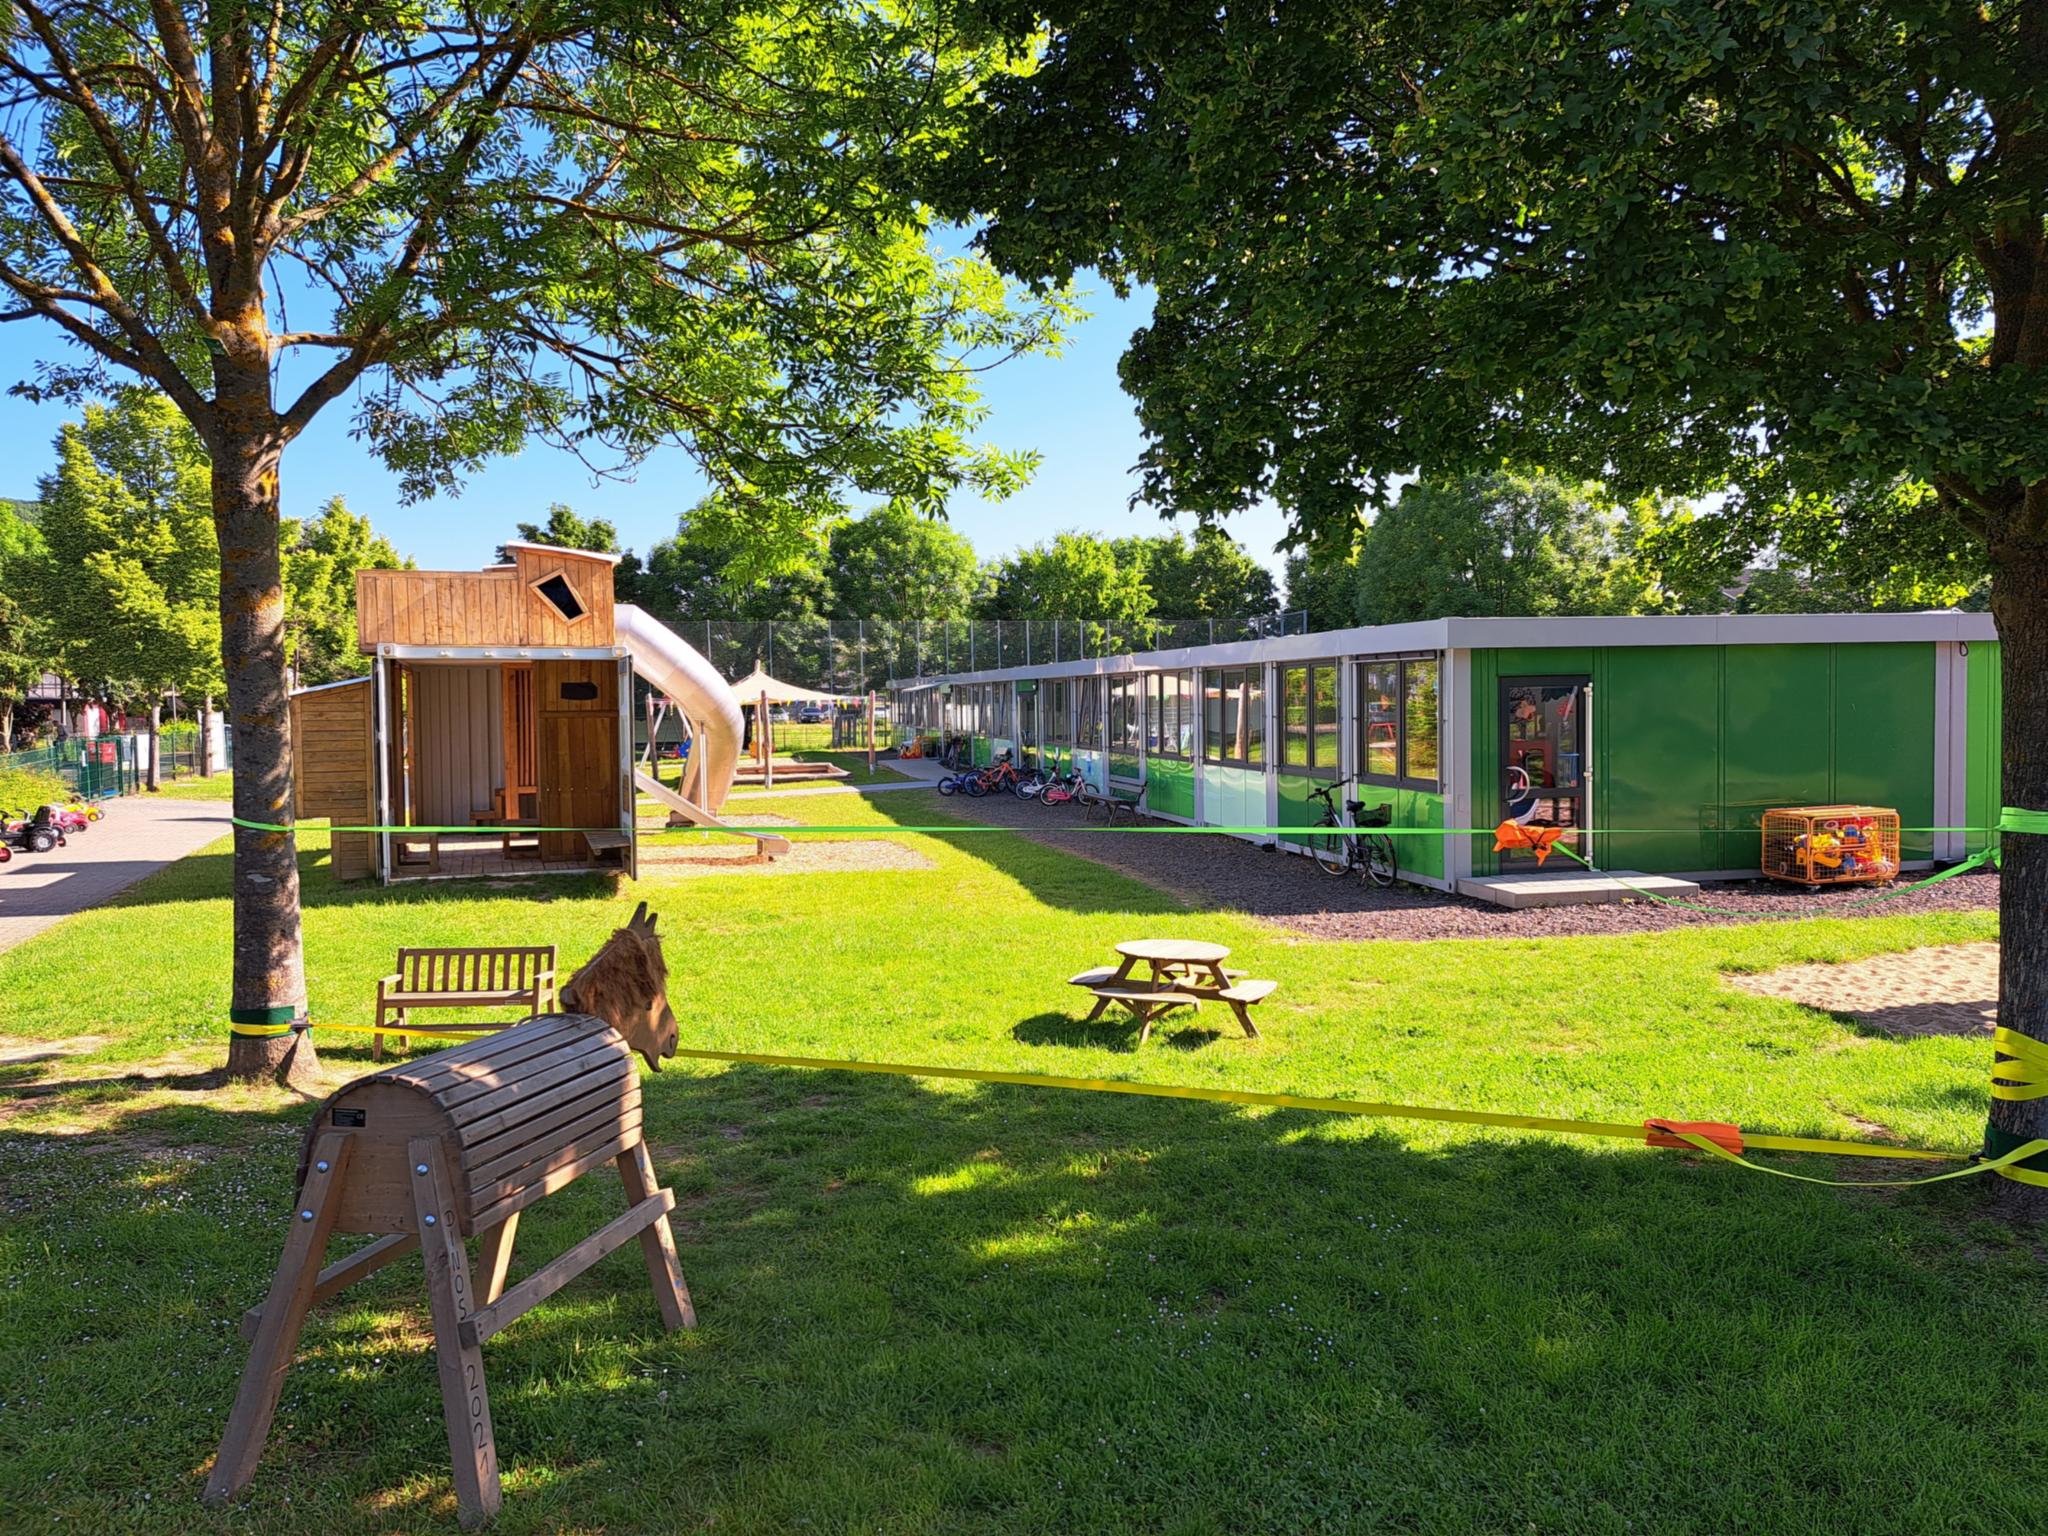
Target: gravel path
{"points": [[1288, 890]]}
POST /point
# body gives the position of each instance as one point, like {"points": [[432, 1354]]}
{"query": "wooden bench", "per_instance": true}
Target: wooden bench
{"points": [[1242, 995], [416, 850], [1112, 801], [504, 976], [1145, 1000], [608, 846]]}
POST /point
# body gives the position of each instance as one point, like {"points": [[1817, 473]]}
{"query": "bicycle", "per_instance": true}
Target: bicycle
{"points": [[1340, 852], [1001, 774]]}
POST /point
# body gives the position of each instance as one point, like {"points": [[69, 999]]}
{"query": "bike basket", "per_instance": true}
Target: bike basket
{"points": [[1369, 816]]}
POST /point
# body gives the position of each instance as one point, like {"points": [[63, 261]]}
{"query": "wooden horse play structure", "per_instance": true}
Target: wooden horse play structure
{"points": [[456, 1145]]}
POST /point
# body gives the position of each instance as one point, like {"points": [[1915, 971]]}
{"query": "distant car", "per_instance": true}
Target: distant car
{"points": [[814, 714]]}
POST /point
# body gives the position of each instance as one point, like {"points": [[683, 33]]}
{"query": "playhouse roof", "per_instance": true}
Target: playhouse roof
{"points": [[748, 690]]}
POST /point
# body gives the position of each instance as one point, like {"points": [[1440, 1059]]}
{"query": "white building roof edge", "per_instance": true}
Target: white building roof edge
{"points": [[1932, 627]]}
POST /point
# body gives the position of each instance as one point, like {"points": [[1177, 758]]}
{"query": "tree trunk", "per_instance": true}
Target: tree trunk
{"points": [[269, 971], [206, 738], [155, 781], [2019, 602]]}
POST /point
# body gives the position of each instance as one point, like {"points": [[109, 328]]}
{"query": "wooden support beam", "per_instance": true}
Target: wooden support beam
{"points": [[558, 1272], [284, 1311], [345, 1272]]}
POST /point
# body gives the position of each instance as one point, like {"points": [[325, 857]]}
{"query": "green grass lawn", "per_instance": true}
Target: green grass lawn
{"points": [[221, 787], [933, 1307]]}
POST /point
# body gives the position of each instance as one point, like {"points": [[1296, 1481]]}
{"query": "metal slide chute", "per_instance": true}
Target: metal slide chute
{"points": [[672, 666]]}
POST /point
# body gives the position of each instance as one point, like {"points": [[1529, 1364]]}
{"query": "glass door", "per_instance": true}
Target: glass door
{"points": [[1542, 753]]}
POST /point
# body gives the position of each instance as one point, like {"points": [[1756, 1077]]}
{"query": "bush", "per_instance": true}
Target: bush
{"points": [[21, 788]]}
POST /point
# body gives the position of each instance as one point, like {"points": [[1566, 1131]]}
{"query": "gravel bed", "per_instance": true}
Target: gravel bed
{"points": [[1288, 890]]}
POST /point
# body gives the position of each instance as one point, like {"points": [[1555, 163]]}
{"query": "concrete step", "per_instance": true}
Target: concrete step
{"points": [[1572, 888]]}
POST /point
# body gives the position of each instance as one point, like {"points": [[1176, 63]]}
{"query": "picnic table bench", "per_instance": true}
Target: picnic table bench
{"points": [[1185, 973], [1109, 803], [493, 976]]}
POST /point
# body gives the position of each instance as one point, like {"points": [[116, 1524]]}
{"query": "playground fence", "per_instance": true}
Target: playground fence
{"points": [[855, 656]]}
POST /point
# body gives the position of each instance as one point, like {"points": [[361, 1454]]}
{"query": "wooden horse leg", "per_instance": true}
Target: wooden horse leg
{"points": [[284, 1312], [657, 1242], [494, 1256], [465, 1402]]}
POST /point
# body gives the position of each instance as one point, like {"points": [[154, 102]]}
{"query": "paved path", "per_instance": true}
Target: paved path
{"points": [[140, 835]]}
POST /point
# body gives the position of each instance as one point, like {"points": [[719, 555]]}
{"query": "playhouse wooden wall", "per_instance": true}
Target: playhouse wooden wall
{"points": [[333, 774], [498, 607]]}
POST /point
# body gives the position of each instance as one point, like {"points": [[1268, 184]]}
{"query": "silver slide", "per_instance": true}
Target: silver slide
{"points": [[679, 670]]}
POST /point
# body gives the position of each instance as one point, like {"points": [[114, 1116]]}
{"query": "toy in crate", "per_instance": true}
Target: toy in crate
{"points": [[1817, 845]]}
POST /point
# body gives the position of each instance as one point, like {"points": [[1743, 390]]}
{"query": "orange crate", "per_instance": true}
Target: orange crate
{"points": [[1818, 845]]}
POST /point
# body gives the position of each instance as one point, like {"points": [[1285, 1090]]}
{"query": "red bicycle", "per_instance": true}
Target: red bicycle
{"points": [[1001, 774]]}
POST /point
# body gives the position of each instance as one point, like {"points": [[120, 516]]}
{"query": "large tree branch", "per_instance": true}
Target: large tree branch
{"points": [[374, 342], [133, 189]]}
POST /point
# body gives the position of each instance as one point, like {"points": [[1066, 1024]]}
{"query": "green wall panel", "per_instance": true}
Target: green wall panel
{"points": [[1419, 855], [1657, 749], [1884, 734], [1297, 807], [1777, 747], [1984, 785], [1170, 787]]}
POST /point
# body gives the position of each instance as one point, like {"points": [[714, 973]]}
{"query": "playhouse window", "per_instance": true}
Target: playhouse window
{"points": [[1059, 713], [1419, 722], [559, 594]]}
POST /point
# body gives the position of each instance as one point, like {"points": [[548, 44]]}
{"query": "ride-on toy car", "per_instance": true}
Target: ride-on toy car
{"points": [[34, 833]]}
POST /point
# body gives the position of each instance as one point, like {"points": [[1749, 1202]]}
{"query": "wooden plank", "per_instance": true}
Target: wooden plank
{"points": [[559, 1178], [539, 1116], [284, 1313], [489, 1179], [494, 1255], [559, 1271], [345, 1272], [465, 1400], [657, 1243]]}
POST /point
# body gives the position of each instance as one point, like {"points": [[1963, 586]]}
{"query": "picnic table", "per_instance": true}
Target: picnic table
{"points": [[1184, 973]]}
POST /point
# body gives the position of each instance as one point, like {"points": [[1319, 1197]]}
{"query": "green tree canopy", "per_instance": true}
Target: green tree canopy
{"points": [[25, 649], [1324, 587], [321, 558], [602, 224], [1677, 247], [1075, 576], [131, 592], [567, 529], [1499, 544], [1208, 575], [895, 564]]}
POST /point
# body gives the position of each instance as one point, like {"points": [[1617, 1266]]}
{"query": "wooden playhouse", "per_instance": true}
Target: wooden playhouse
{"points": [[496, 720]]}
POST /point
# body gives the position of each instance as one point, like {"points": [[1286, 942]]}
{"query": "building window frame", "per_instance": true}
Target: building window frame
{"points": [[1320, 737], [1170, 698], [1240, 698], [1403, 667]]}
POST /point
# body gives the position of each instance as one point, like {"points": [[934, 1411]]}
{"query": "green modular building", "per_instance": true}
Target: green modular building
{"points": [[1668, 738]]}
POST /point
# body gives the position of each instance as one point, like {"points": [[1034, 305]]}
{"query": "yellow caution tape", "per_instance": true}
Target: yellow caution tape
{"points": [[2024, 1074]]}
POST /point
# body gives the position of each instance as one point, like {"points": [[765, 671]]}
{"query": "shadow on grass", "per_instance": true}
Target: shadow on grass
{"points": [[1177, 1031], [994, 1309], [205, 876]]}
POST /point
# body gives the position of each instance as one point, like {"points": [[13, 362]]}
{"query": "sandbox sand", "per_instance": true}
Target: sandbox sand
{"points": [[1945, 989]]}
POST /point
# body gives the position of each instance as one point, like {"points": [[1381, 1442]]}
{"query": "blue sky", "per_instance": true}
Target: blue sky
{"points": [[1070, 408]]}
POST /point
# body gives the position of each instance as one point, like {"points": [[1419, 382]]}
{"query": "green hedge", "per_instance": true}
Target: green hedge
{"points": [[22, 788]]}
